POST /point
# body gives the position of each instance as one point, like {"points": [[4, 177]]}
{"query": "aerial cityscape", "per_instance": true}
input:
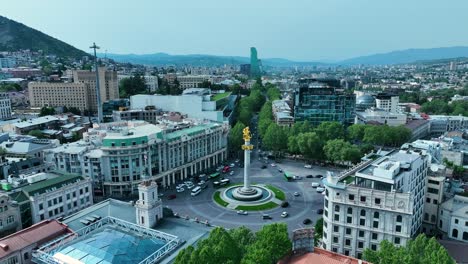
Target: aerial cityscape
{"points": [[238, 133]]}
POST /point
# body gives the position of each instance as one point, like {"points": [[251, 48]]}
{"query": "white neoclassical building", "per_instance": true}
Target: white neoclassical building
{"points": [[381, 199], [453, 218]]}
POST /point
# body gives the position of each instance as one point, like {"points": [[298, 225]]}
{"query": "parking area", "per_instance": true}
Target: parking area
{"points": [[301, 207]]}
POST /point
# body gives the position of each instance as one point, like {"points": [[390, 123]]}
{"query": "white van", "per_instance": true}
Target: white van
{"points": [[196, 191]]}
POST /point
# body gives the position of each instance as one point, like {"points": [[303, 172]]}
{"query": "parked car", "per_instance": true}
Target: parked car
{"points": [[171, 196], [307, 221], [266, 216], [232, 165], [296, 194], [307, 166], [201, 182], [309, 176], [284, 204], [242, 212], [320, 189], [319, 176], [179, 190], [284, 214], [315, 184], [273, 165], [319, 211], [297, 177]]}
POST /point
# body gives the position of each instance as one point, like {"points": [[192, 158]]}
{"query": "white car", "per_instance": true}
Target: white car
{"points": [[307, 166], [190, 186], [273, 165], [242, 212], [284, 214], [296, 194], [201, 183], [231, 173], [232, 165], [320, 189], [315, 184], [179, 190]]}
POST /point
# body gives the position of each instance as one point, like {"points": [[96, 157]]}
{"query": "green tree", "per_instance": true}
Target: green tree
{"points": [[271, 244], [338, 150], [275, 138], [330, 130], [293, 146], [235, 138], [263, 125], [36, 133], [356, 132], [133, 85], [273, 93], [243, 237], [47, 111], [318, 231], [420, 250], [310, 145]]}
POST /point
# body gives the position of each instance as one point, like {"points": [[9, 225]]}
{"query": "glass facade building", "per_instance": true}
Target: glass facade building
{"points": [[319, 101]]}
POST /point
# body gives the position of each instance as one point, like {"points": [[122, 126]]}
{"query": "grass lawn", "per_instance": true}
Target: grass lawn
{"points": [[218, 200], [278, 193], [265, 206], [216, 97], [348, 179]]}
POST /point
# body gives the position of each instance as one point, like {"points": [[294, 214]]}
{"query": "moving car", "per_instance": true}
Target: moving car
{"points": [[232, 165], [307, 166], [296, 194], [196, 191], [315, 184], [309, 176], [284, 204], [320, 189], [266, 216], [242, 212], [307, 221], [280, 170], [273, 165], [297, 177], [179, 190], [284, 214], [319, 211]]}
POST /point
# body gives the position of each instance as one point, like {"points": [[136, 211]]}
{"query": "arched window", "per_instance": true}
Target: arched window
{"points": [[376, 215], [363, 212], [337, 208], [350, 210], [455, 233], [399, 218]]}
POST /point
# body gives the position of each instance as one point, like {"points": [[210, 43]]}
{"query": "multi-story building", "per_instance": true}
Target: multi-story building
{"points": [[453, 219], [282, 113], [7, 62], [192, 81], [10, 219], [197, 103], [52, 195], [380, 116], [5, 106], [381, 199], [149, 114], [441, 124], [120, 155], [318, 101], [81, 93], [420, 128], [434, 199], [151, 81], [59, 94], [387, 102]]}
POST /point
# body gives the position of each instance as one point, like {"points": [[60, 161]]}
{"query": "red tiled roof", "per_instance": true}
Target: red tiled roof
{"points": [[39, 233], [322, 256]]}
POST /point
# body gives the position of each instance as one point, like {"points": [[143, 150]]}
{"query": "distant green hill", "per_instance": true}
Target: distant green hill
{"points": [[16, 36]]}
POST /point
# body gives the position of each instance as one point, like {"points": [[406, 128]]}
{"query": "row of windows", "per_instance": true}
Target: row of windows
{"points": [[10, 219]]}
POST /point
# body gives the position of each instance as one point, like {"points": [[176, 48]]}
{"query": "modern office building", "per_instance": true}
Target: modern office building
{"points": [[378, 199], [379, 116], [10, 218], [453, 219], [118, 156], [197, 103], [320, 100], [255, 70], [387, 102], [81, 93], [5, 106]]}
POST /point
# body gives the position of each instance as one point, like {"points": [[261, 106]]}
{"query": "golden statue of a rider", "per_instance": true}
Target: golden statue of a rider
{"points": [[246, 132]]}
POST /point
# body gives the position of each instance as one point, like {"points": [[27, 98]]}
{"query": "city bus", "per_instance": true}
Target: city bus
{"points": [[215, 175], [196, 191], [288, 176]]}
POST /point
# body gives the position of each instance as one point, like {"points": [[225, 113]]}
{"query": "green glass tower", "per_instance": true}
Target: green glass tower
{"points": [[254, 63]]}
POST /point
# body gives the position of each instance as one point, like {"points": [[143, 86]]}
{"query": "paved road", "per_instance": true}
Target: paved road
{"points": [[301, 207]]}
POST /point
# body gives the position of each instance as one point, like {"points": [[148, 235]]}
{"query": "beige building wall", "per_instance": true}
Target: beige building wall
{"points": [[108, 84], [58, 94]]}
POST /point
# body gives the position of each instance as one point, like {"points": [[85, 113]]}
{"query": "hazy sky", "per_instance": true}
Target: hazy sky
{"points": [[294, 29]]}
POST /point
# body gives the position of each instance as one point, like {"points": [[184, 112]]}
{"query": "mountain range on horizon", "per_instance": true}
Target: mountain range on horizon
{"points": [[15, 36]]}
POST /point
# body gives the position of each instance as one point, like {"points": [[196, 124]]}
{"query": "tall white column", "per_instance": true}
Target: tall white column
{"points": [[246, 166]]}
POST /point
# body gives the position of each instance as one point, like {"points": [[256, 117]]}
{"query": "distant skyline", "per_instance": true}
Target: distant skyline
{"points": [[301, 30]]}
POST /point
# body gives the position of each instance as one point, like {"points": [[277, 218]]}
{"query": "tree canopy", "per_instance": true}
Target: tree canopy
{"points": [[133, 85], [421, 250], [45, 110]]}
